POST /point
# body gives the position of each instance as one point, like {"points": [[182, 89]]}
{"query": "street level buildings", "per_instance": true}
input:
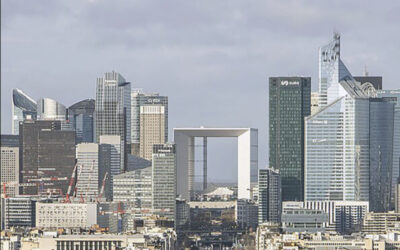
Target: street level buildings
{"points": [[269, 196], [23, 107], [289, 103], [18, 212]]}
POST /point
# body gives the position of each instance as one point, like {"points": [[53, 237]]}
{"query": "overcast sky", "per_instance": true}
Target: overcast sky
{"points": [[212, 58]]}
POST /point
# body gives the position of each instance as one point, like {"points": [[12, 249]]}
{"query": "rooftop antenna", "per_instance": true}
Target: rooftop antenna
{"points": [[365, 70]]}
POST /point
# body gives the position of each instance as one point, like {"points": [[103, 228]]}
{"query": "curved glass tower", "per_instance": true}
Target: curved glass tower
{"points": [[49, 109], [81, 116], [22, 107]]}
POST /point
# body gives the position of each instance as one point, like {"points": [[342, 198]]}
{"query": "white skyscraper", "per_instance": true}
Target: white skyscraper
{"points": [[87, 155], [22, 107]]}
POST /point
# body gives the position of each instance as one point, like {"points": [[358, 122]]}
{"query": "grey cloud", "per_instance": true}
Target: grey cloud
{"points": [[212, 58]]}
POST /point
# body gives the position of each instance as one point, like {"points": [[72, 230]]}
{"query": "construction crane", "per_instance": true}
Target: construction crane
{"points": [[71, 182], [102, 187]]}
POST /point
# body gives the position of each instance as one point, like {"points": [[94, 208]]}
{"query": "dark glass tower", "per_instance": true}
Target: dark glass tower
{"points": [[81, 115], [289, 103], [381, 121]]}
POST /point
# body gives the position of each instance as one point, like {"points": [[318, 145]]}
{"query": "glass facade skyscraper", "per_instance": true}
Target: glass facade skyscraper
{"points": [[22, 107], [289, 103], [81, 115], [269, 195], [396, 136], [381, 152], [113, 109], [331, 71], [139, 99]]}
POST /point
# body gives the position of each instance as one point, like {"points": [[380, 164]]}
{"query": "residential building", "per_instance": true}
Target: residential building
{"points": [[303, 220], [246, 213], [289, 103], [110, 151], [164, 179], [66, 215], [46, 151], [113, 109], [23, 107], [81, 115], [152, 128], [381, 124], [87, 185], [269, 196], [138, 99], [18, 212], [396, 136]]}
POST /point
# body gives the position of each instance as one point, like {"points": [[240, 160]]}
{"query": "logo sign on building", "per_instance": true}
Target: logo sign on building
{"points": [[289, 83]]}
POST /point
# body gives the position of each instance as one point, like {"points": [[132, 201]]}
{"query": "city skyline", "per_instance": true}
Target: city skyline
{"points": [[213, 63]]}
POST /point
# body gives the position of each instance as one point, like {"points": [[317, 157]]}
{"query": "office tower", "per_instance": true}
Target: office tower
{"points": [[138, 99], [375, 81], [73, 215], [269, 195], [9, 169], [337, 148], [152, 128], [396, 135], [46, 151], [81, 116], [113, 107], [289, 103], [23, 107], [164, 180], [134, 188], [314, 102], [381, 152], [19, 212], [9, 140], [87, 155], [49, 109], [331, 71], [109, 161], [397, 197]]}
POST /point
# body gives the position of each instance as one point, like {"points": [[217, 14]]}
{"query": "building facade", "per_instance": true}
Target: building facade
{"points": [[269, 196], [164, 180], [303, 220], [110, 151], [396, 136], [23, 107], [18, 212], [134, 188], [66, 215], [381, 124], [138, 99], [289, 103], [246, 213], [152, 128], [10, 170], [81, 115], [87, 185], [46, 151]]}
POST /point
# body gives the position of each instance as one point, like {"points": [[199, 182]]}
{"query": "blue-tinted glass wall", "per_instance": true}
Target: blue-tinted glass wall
{"points": [[289, 103], [81, 116]]}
